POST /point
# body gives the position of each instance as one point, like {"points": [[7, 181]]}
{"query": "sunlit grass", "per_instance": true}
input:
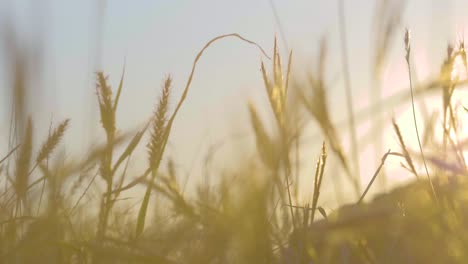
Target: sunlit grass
{"points": [[255, 211]]}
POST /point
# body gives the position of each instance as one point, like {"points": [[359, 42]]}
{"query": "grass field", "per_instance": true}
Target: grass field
{"points": [[254, 213]]}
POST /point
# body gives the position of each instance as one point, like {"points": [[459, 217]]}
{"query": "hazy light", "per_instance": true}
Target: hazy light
{"points": [[458, 69]]}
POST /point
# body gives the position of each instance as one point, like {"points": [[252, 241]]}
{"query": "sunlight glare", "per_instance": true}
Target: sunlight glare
{"points": [[458, 70]]}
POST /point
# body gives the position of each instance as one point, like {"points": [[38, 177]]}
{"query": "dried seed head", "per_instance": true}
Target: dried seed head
{"points": [[461, 45], [449, 50], [407, 39], [155, 146], [52, 141], [407, 46]]}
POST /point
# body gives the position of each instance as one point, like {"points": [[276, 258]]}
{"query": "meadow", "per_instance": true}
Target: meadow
{"points": [[254, 213]]}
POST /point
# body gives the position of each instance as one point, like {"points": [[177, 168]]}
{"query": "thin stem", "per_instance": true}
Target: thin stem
{"points": [[287, 169], [288, 174], [280, 25], [374, 177], [83, 194], [408, 63], [10, 153], [318, 180], [349, 96]]}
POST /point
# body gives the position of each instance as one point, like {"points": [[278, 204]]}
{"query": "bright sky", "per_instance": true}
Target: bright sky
{"points": [[156, 38]]}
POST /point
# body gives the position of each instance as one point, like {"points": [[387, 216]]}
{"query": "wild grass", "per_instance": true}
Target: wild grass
{"points": [[408, 63], [252, 213]]}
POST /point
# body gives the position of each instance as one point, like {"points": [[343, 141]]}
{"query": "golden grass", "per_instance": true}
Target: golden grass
{"points": [[251, 213]]}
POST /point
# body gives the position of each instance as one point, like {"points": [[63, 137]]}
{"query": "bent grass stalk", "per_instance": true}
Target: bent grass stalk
{"points": [[168, 126], [408, 63]]}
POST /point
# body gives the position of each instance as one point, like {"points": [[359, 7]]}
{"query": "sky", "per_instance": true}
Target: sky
{"points": [[156, 38]]}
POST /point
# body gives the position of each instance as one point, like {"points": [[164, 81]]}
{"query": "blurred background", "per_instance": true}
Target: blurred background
{"points": [[66, 42]]}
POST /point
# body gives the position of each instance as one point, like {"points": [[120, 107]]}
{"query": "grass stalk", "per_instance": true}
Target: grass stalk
{"points": [[408, 64], [376, 173], [168, 126], [348, 90], [320, 168]]}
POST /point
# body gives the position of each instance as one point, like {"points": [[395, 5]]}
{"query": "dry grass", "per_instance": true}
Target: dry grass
{"points": [[250, 214]]}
